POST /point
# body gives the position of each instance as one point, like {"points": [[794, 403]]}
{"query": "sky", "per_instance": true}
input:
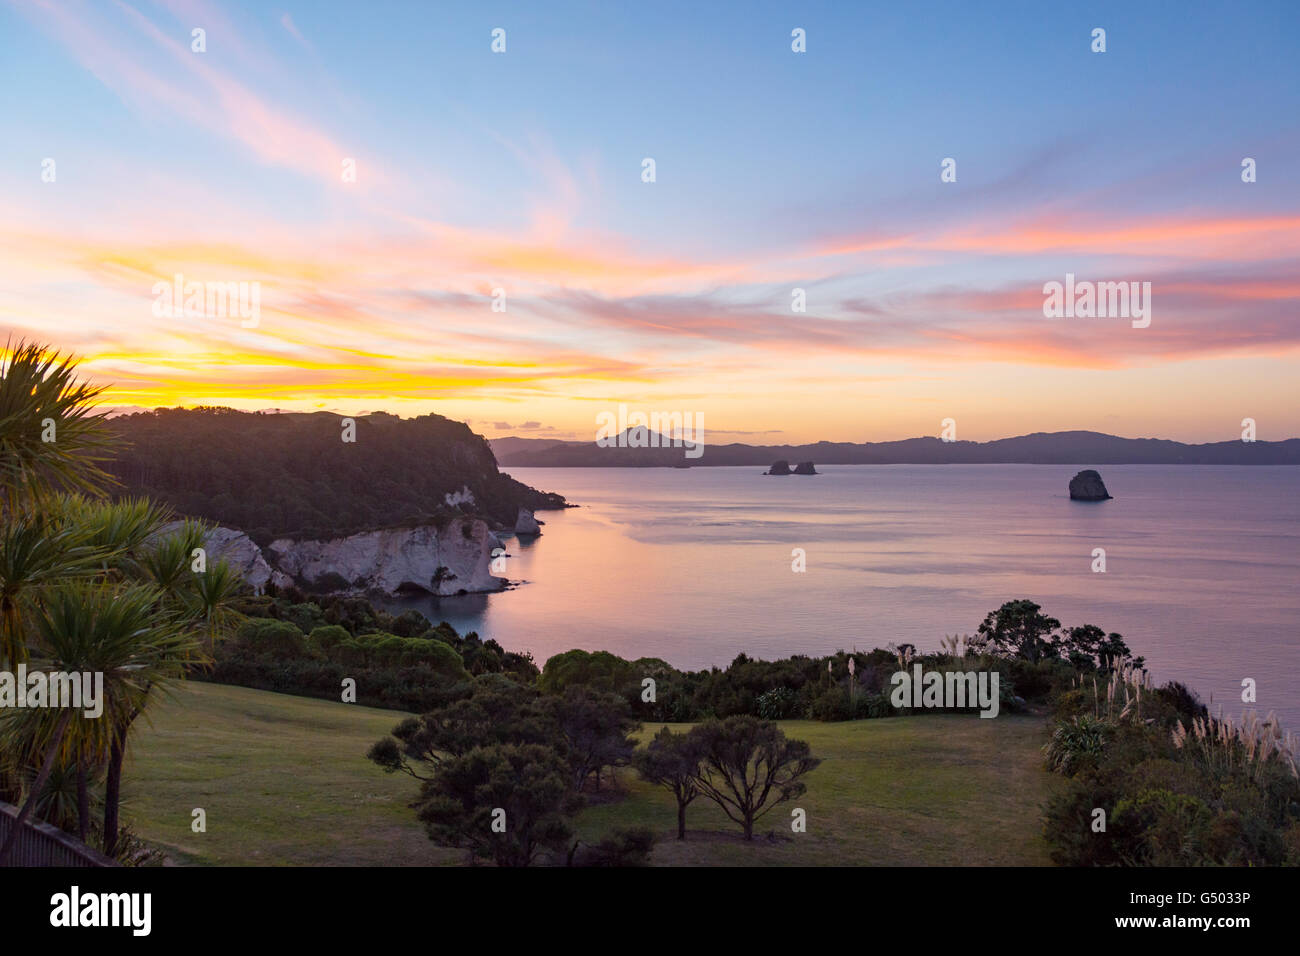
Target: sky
{"points": [[499, 257]]}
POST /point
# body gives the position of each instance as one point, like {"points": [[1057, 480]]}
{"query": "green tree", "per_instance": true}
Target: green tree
{"points": [[1104, 651], [504, 802], [35, 554], [596, 730], [85, 628], [748, 766], [491, 710], [1018, 629], [599, 669], [672, 761], [67, 559]]}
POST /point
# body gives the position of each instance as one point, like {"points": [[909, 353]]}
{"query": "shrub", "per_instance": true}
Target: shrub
{"points": [[1076, 744], [276, 639], [409, 623], [1073, 703], [328, 637], [831, 704], [625, 846], [873, 706], [1182, 700], [1068, 822], [776, 704], [305, 617], [1037, 681], [1161, 828], [599, 670]]}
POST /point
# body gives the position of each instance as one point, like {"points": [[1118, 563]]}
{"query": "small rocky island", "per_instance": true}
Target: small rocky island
{"points": [[1088, 486], [782, 467]]}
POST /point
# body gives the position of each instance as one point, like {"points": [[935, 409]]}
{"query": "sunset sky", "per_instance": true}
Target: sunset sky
{"points": [[775, 170]]}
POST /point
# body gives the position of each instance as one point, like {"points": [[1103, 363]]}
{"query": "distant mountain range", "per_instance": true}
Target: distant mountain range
{"points": [[1040, 448]]}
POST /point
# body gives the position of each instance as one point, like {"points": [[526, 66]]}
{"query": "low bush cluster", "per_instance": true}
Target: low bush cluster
{"points": [[1154, 780]]}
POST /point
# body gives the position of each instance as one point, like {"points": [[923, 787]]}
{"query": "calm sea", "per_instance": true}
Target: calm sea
{"points": [[694, 565]]}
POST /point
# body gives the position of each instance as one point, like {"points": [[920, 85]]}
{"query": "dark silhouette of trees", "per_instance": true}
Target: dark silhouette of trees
{"points": [[748, 766], [672, 761], [496, 745], [292, 474], [1089, 646], [595, 728], [1018, 629], [503, 802], [492, 710]]}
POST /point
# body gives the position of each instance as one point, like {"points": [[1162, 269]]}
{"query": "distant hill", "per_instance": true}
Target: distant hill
{"points": [[292, 474], [1040, 448], [508, 446]]}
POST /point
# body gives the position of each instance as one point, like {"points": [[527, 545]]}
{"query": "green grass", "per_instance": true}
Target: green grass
{"points": [[284, 780], [900, 791]]}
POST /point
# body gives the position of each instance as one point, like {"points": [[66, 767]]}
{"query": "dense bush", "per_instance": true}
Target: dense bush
{"points": [[1076, 744], [777, 703], [276, 640], [625, 846], [398, 662], [493, 743], [1172, 787]]}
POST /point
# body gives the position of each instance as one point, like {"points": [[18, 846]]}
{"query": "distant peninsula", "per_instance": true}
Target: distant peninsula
{"points": [[1039, 448], [298, 475]]}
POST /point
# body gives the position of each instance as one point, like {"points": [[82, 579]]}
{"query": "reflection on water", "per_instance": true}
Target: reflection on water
{"points": [[694, 565]]}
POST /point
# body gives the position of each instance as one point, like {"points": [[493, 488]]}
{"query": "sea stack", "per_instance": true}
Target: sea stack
{"points": [[1088, 486], [525, 523], [805, 468], [781, 467]]}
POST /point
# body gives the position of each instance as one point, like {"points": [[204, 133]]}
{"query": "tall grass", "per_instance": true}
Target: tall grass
{"points": [[1123, 695], [1247, 744]]}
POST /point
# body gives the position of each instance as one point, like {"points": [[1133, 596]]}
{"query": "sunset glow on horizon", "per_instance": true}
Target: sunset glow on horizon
{"points": [[775, 171]]}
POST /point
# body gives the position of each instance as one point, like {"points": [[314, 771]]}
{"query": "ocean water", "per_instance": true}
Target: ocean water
{"points": [[694, 565]]}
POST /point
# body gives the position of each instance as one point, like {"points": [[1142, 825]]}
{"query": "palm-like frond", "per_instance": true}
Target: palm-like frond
{"points": [[34, 556], [166, 560], [88, 627], [37, 387], [211, 602], [118, 528]]}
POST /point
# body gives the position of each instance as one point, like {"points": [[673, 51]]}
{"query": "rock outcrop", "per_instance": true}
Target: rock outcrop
{"points": [[454, 499], [238, 550], [782, 467], [1088, 486], [525, 523], [448, 561]]}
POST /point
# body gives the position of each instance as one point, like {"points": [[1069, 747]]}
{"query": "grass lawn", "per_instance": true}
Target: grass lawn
{"points": [[284, 780], [942, 790]]}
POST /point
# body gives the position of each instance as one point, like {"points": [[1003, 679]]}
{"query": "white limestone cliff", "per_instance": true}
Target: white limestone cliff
{"points": [[396, 559], [238, 550]]}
